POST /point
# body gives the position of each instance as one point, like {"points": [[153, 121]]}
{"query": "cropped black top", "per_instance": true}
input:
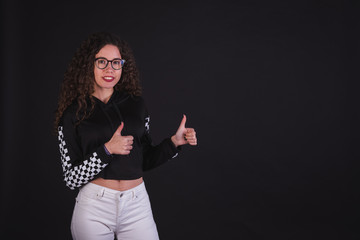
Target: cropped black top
{"points": [[82, 151]]}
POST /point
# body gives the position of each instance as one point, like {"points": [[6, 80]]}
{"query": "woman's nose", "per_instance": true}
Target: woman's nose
{"points": [[109, 67]]}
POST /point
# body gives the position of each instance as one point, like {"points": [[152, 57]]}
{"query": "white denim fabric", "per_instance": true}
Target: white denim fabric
{"points": [[102, 213]]}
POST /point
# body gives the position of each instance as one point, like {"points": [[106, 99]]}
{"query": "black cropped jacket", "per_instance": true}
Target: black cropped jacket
{"points": [[81, 145]]}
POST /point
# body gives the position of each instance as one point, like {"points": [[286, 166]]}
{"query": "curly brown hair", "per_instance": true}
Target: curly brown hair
{"points": [[78, 83]]}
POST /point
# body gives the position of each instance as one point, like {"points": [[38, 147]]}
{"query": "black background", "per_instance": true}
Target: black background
{"points": [[270, 87]]}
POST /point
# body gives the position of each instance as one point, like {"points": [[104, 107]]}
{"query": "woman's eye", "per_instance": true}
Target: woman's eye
{"points": [[117, 63]]}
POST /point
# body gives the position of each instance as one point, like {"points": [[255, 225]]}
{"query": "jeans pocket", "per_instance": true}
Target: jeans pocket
{"points": [[142, 198], [87, 197]]}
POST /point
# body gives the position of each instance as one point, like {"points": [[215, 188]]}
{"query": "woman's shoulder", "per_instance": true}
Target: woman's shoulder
{"points": [[137, 102], [138, 98], [70, 113]]}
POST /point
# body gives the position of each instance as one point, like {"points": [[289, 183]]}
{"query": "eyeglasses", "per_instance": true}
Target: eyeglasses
{"points": [[116, 63]]}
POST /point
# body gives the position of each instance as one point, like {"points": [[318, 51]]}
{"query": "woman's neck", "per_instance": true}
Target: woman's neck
{"points": [[103, 95]]}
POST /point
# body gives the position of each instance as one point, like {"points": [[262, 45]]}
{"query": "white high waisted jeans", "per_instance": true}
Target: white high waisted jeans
{"points": [[101, 213]]}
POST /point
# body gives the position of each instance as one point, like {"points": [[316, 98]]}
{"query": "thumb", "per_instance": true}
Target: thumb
{"points": [[120, 128], [183, 121]]}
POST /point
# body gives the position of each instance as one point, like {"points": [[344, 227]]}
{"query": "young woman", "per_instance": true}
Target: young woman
{"points": [[104, 141]]}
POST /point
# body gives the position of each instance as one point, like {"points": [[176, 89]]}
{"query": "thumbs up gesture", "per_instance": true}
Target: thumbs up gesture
{"points": [[119, 144], [184, 135]]}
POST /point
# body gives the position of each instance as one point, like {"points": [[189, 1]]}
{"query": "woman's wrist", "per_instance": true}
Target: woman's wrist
{"points": [[107, 149], [173, 139]]}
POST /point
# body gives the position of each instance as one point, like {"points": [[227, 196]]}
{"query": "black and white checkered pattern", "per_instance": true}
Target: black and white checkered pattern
{"points": [[147, 123], [76, 176]]}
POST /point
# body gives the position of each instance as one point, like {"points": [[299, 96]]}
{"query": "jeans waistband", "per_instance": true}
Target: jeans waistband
{"points": [[99, 191]]}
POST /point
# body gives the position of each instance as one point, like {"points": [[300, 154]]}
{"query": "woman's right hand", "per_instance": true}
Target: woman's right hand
{"points": [[119, 144]]}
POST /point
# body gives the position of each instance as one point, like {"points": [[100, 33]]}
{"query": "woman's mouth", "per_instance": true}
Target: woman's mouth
{"points": [[108, 79]]}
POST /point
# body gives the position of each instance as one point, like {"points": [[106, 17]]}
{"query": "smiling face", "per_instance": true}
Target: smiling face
{"points": [[107, 78]]}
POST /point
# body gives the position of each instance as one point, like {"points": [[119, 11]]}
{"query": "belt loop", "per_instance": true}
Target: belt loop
{"points": [[133, 194]]}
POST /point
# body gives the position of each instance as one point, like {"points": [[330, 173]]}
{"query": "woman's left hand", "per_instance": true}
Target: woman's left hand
{"points": [[184, 135]]}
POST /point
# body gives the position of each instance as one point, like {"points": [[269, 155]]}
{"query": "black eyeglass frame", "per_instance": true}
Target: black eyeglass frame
{"points": [[122, 62]]}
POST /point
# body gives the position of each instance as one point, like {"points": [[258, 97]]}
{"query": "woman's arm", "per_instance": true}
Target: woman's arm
{"points": [[155, 155], [77, 168]]}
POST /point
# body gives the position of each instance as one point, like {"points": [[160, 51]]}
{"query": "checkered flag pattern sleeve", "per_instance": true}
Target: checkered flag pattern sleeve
{"points": [[147, 124], [78, 175]]}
